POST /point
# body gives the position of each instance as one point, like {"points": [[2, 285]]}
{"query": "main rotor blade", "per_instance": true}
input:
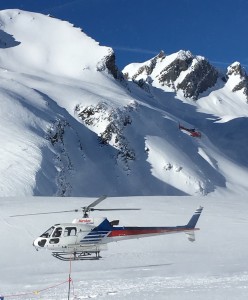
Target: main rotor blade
{"points": [[46, 213], [97, 201], [109, 209]]}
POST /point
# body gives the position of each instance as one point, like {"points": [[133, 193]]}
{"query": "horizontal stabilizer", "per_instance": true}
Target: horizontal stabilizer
{"points": [[191, 236]]}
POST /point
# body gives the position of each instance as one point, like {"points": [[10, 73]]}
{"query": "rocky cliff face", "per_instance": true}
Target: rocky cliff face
{"points": [[237, 78], [202, 76], [109, 123], [146, 69], [108, 63], [182, 71], [172, 71]]}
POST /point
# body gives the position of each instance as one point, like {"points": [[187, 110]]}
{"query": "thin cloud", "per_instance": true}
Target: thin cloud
{"points": [[223, 63], [136, 50], [153, 52], [51, 8]]}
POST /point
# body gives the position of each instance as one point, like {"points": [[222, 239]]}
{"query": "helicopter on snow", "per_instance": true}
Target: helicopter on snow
{"points": [[84, 238]]}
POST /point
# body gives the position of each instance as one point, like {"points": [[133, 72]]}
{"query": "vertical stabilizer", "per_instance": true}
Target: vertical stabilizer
{"points": [[194, 218]]}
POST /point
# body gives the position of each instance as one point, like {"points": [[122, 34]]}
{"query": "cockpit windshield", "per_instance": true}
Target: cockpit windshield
{"points": [[57, 232], [48, 233]]}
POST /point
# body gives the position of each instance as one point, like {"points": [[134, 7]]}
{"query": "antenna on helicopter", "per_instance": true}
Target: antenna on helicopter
{"points": [[85, 209]]}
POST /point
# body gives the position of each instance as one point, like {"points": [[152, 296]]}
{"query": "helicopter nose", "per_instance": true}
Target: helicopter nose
{"points": [[39, 242], [34, 245]]}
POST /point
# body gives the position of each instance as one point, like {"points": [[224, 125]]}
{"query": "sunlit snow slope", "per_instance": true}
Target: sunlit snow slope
{"points": [[72, 125]]}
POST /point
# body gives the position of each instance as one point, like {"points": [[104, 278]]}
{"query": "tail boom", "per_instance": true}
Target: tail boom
{"points": [[123, 233]]}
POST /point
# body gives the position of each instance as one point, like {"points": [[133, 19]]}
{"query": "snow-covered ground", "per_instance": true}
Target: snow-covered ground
{"points": [[164, 267]]}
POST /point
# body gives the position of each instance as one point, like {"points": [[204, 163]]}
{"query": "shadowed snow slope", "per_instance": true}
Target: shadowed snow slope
{"points": [[70, 128]]}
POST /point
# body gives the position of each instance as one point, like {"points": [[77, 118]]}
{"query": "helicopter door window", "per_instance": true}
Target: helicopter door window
{"points": [[57, 232], [70, 231], [54, 241]]}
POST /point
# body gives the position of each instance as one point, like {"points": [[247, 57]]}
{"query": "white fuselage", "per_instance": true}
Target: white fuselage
{"points": [[75, 236]]}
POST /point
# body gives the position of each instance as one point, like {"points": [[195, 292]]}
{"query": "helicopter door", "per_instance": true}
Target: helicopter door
{"points": [[70, 235], [56, 235]]}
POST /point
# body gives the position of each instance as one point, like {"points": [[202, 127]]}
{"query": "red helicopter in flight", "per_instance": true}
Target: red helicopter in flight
{"points": [[190, 131]]}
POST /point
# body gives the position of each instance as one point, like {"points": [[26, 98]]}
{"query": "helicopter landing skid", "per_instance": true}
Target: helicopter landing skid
{"points": [[77, 255]]}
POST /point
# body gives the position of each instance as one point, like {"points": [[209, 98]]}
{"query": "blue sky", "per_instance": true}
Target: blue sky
{"points": [[138, 29]]}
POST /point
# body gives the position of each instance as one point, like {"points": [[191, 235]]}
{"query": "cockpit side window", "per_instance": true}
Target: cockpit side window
{"points": [[48, 233], [70, 231], [57, 232]]}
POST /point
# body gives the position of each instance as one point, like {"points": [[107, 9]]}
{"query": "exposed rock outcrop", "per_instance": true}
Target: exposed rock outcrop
{"points": [[113, 122], [237, 73], [201, 77], [108, 62], [147, 68], [182, 71], [171, 72]]}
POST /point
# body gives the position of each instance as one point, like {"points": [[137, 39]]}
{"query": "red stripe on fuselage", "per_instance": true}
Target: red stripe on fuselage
{"points": [[138, 231]]}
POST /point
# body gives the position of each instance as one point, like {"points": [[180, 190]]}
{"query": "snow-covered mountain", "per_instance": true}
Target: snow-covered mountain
{"points": [[72, 124]]}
